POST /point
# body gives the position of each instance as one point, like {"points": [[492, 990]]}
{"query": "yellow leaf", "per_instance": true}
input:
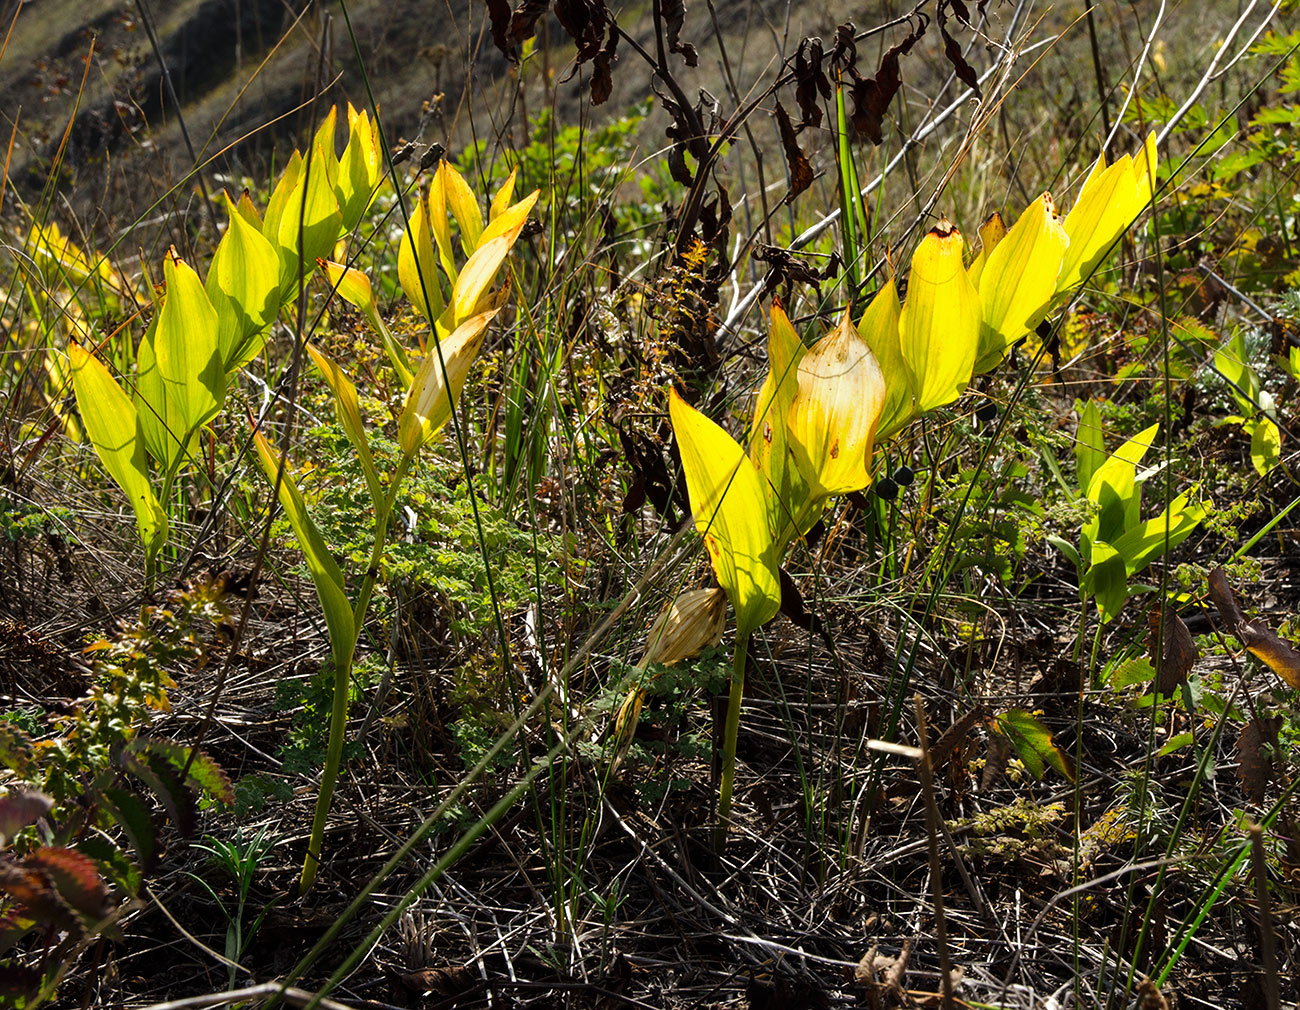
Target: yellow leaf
{"points": [[1145, 163], [349, 415], [185, 345], [417, 269], [428, 405], [325, 573], [243, 286], [1105, 207], [113, 427], [939, 324], [1019, 280], [463, 205], [354, 287], [502, 200], [832, 419], [727, 501], [359, 168], [879, 328], [790, 505], [992, 231]]}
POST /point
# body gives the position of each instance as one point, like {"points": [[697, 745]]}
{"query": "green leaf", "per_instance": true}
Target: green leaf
{"points": [[113, 427], [1244, 384], [1113, 489], [325, 573], [1265, 444], [1141, 544], [730, 513], [185, 346], [1033, 743], [1089, 449], [1106, 580], [1135, 671], [243, 286]]}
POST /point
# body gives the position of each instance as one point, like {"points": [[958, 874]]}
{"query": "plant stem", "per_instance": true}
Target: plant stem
{"points": [[342, 678], [730, 734]]}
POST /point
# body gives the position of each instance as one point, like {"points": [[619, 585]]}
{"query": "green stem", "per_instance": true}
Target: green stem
{"points": [[730, 734], [342, 676]]}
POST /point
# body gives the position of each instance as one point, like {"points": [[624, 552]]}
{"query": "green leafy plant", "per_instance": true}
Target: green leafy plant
{"points": [[1116, 543], [459, 320], [1258, 411]]}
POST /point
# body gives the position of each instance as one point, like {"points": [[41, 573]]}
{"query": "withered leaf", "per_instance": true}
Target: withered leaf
{"points": [[801, 173], [1280, 657], [952, 737], [793, 607], [602, 81], [1150, 996], [438, 981], [1180, 652], [584, 21], [964, 71], [499, 15], [962, 11], [674, 12], [845, 51], [523, 22], [811, 81], [1256, 745], [995, 763], [872, 95]]}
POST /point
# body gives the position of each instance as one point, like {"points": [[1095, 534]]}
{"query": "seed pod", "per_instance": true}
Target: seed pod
{"points": [[689, 624]]}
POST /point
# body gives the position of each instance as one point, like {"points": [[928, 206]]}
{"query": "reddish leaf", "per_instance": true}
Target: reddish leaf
{"points": [[75, 877], [36, 898], [801, 173], [20, 809], [204, 772]]}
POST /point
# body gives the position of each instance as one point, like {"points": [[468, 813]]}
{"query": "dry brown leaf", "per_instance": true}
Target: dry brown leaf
{"points": [[1180, 652], [1256, 746], [1280, 657]]}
